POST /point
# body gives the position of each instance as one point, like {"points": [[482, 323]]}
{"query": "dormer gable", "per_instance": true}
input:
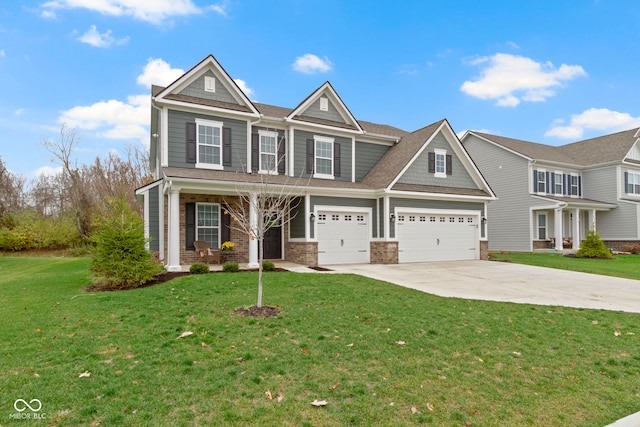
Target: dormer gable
{"points": [[208, 84], [324, 107]]}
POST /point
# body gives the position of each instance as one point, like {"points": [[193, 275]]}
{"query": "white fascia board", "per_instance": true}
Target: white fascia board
{"points": [[186, 106], [438, 196], [311, 127]]}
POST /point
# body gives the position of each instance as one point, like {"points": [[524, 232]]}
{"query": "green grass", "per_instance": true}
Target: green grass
{"points": [[337, 339], [627, 266]]}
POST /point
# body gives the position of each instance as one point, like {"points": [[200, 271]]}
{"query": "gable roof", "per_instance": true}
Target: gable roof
{"points": [[531, 150]]}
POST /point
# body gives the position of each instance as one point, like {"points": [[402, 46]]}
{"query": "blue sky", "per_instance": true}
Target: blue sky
{"points": [[544, 71]]}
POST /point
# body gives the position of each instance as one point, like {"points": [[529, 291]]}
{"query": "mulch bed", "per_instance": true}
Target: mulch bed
{"points": [[255, 311]]}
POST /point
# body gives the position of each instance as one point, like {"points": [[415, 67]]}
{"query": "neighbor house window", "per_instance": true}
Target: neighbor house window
{"points": [[558, 183], [208, 223], [441, 163], [542, 182], [542, 226], [633, 183], [574, 185], [209, 142], [268, 152], [323, 157]]}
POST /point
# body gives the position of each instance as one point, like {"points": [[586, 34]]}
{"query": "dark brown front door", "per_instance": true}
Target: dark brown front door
{"points": [[273, 243]]}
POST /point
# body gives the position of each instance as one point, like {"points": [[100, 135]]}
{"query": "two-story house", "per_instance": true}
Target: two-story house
{"points": [[372, 193], [550, 197]]}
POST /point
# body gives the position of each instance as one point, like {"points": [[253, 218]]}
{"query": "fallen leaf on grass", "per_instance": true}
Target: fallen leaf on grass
{"points": [[401, 343], [414, 410], [185, 334], [335, 386], [350, 345], [429, 406], [317, 402], [204, 344], [268, 395], [617, 333], [85, 374]]}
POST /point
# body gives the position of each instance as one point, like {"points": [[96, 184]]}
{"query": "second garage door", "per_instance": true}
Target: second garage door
{"points": [[436, 237], [343, 237]]}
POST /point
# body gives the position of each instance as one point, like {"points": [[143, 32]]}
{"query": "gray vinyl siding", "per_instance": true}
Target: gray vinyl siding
{"points": [[418, 171], [349, 202], [331, 114], [177, 136], [383, 220], [297, 223], [620, 223], [196, 89], [154, 218], [300, 153], [367, 155], [508, 224]]}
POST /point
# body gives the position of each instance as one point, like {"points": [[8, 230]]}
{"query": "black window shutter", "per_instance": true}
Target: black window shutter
{"points": [[337, 165], [547, 183], [190, 225], [449, 164], [226, 147], [626, 182], [535, 181], [310, 155], [565, 185], [282, 165], [580, 186], [432, 162], [225, 231], [255, 152], [553, 183], [191, 142]]}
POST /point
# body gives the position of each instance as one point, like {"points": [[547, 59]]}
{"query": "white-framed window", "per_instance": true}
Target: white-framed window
{"points": [[324, 104], [208, 223], [209, 84], [574, 185], [542, 181], [209, 143], [633, 183], [557, 189], [323, 157], [441, 163], [542, 226], [268, 152]]}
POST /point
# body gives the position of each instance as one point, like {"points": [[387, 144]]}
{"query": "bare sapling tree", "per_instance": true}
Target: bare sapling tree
{"points": [[265, 200], [11, 191]]}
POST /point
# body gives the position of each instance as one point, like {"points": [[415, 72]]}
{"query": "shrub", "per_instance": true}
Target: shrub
{"points": [[593, 247], [268, 266], [199, 268], [230, 267], [120, 257]]}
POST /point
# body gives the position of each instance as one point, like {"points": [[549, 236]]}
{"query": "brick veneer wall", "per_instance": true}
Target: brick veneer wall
{"points": [[304, 253], [484, 250], [541, 244], [619, 245], [384, 252]]}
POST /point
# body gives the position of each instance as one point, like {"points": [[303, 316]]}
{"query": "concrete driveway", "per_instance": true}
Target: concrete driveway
{"points": [[501, 281]]}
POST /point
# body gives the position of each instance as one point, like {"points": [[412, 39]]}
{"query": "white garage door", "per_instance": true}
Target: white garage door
{"points": [[436, 237], [343, 237]]}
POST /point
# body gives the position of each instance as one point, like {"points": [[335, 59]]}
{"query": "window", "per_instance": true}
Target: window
{"points": [[574, 185], [558, 183], [324, 104], [209, 143], [542, 182], [347, 217], [633, 183], [322, 217], [542, 226], [441, 163], [268, 152], [209, 84], [208, 223], [323, 157]]}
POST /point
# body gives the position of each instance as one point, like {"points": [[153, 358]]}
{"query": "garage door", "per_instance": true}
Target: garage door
{"points": [[436, 237], [343, 237]]}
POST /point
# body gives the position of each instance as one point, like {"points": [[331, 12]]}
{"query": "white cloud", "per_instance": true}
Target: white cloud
{"points": [[599, 119], [153, 11], [510, 79], [158, 72], [94, 38], [310, 63], [2, 53], [47, 171], [19, 112], [246, 89]]}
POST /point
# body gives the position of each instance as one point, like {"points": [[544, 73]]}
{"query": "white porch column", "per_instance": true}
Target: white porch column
{"points": [[576, 229], [557, 228], [592, 220], [173, 259], [253, 222]]}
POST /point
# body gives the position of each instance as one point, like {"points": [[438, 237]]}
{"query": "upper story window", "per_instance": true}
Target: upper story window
{"points": [[268, 152], [573, 180], [440, 163], [541, 178], [557, 185], [209, 84], [323, 159], [209, 143], [632, 183]]}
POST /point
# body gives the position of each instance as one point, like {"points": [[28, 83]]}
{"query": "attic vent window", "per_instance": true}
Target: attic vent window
{"points": [[324, 104], [209, 84]]}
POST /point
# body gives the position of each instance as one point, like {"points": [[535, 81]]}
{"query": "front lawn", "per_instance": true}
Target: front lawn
{"points": [[378, 354], [627, 266]]}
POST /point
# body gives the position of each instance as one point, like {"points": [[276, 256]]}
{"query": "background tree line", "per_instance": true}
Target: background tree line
{"points": [[63, 211]]}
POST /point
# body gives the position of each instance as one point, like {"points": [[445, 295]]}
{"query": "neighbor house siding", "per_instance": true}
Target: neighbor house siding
{"points": [[508, 223], [196, 89], [300, 152], [418, 171], [366, 156], [349, 202], [177, 143]]}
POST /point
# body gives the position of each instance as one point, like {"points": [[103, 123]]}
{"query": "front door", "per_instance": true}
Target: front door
{"points": [[273, 243]]}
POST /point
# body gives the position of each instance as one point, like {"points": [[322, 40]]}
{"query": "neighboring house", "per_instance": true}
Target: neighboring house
{"points": [[372, 193], [550, 197]]}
